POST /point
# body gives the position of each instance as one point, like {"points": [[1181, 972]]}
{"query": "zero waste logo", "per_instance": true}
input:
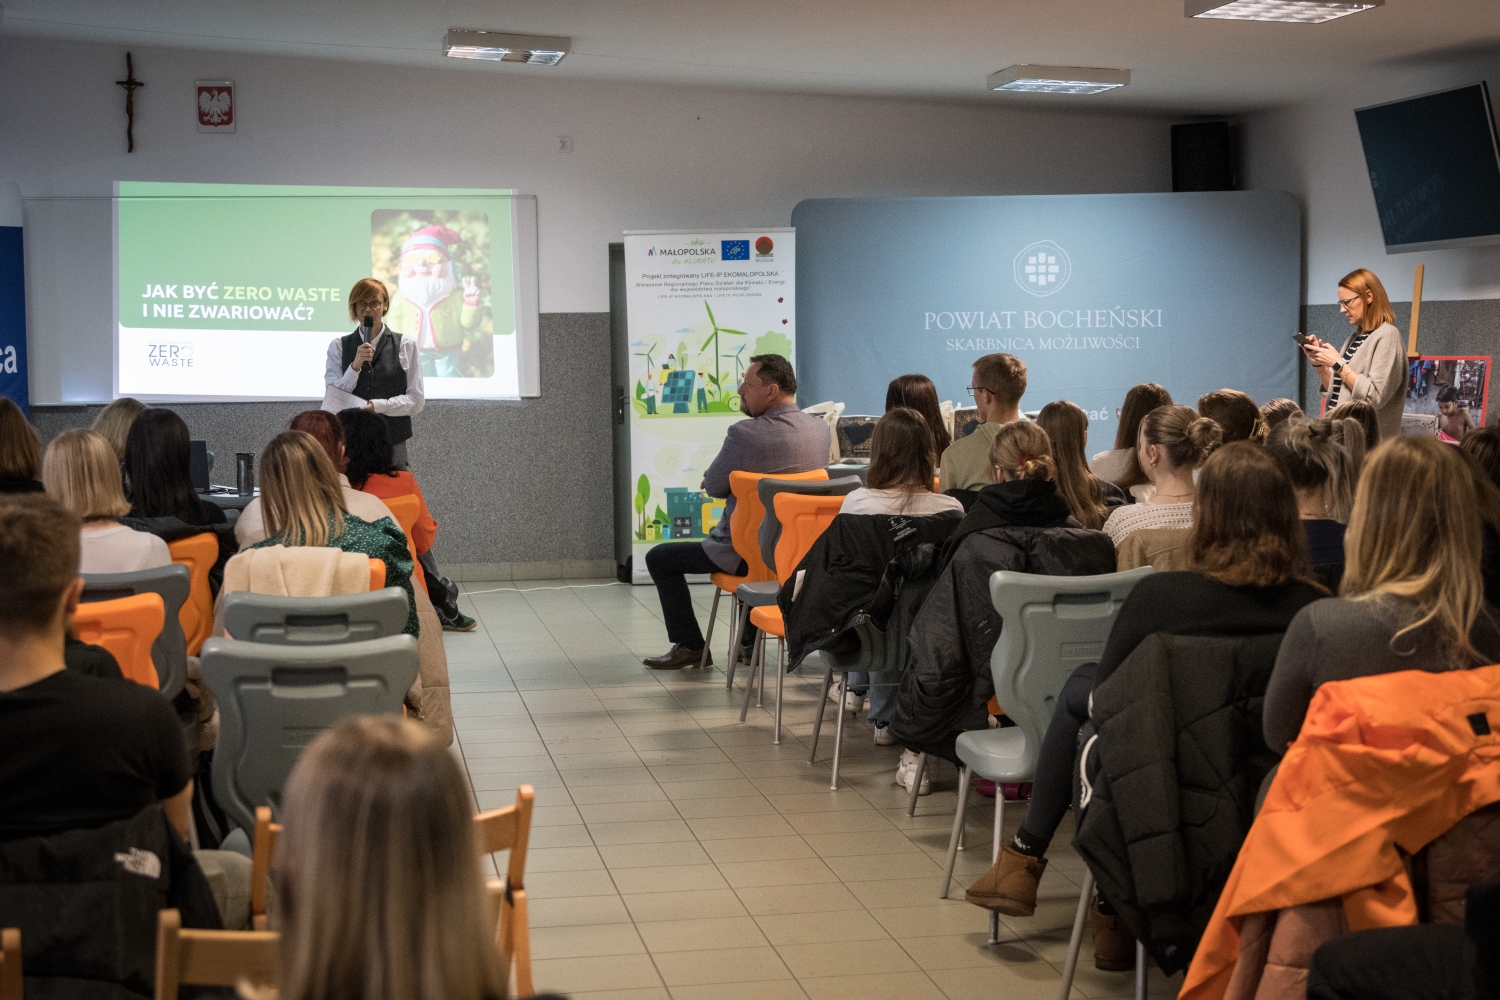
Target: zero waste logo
{"points": [[1043, 268]]}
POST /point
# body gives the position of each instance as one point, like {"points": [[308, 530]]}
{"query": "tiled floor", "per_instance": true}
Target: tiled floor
{"points": [[677, 853]]}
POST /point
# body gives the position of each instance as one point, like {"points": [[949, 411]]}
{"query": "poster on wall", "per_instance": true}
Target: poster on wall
{"points": [[1445, 396], [700, 305]]}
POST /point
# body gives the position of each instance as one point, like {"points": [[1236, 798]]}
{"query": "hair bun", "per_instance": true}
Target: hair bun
{"points": [[1205, 435]]}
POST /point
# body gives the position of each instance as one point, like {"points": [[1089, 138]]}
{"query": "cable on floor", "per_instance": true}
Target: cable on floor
{"points": [[527, 590]]}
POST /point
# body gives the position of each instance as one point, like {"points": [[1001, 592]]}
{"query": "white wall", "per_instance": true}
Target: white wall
{"points": [[645, 157], [1313, 151]]}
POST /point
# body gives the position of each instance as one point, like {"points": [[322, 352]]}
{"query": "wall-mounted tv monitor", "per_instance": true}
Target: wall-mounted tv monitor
{"points": [[1435, 169]]}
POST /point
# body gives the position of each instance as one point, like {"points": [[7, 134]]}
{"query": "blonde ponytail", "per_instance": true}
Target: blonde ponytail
{"points": [[1023, 450]]}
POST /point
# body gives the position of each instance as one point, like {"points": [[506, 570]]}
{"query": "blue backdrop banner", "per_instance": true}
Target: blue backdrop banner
{"points": [[13, 318], [1094, 292]]}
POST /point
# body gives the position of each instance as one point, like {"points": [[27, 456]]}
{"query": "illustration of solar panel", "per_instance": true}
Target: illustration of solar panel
{"points": [[679, 389]]}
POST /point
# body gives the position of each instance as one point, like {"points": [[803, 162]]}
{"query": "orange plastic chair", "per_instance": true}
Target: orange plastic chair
{"points": [[198, 553], [744, 534], [126, 627], [407, 509], [803, 519], [377, 573]]}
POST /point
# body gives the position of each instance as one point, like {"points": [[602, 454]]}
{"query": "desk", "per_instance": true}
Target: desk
{"points": [[229, 501]]}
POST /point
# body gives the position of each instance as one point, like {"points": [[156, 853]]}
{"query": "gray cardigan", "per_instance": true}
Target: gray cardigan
{"points": [[1338, 638], [1381, 364]]}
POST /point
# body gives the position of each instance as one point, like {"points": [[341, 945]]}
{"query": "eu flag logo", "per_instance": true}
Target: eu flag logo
{"points": [[734, 250]]}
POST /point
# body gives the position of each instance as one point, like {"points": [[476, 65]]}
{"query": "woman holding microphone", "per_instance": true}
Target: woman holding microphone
{"points": [[1371, 367]]}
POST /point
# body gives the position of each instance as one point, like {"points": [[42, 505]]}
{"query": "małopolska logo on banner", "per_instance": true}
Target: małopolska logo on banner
{"points": [[1043, 268]]}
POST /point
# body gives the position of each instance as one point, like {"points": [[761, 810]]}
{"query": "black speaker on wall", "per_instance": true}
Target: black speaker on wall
{"points": [[1203, 157]]}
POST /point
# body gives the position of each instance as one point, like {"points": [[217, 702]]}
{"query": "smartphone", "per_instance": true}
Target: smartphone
{"points": [[1303, 339]]}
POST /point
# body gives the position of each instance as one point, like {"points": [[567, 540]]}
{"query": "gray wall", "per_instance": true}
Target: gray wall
{"points": [[520, 490]]}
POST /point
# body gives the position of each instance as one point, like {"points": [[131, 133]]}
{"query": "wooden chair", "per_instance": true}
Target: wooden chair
{"points": [[509, 829], [262, 854], [10, 964], [210, 958], [377, 573], [744, 534], [406, 510], [126, 627], [198, 553]]}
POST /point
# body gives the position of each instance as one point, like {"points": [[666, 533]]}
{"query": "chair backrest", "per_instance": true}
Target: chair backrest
{"points": [[406, 510], [174, 584], [210, 958], [508, 829], [744, 523], [274, 700], [127, 627], [10, 964], [770, 525], [803, 519], [1050, 626], [313, 621], [262, 854], [198, 553], [377, 573], [840, 469]]}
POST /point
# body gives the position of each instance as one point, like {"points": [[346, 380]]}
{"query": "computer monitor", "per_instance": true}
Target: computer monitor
{"points": [[198, 465]]}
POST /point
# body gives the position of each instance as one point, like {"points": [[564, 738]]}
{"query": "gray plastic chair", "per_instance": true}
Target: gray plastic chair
{"points": [[860, 469], [315, 621], [274, 700], [1051, 625], [169, 651]]}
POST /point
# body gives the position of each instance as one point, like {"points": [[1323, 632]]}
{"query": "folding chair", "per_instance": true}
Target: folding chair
{"points": [[210, 958], [509, 829], [128, 627], [198, 553]]}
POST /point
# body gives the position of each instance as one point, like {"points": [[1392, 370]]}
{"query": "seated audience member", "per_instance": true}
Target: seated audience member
{"points": [[328, 432], [1173, 441], [379, 891], [1482, 448], [304, 506], [918, 393], [1089, 497], [372, 469], [1236, 414], [1247, 550], [997, 385], [1483, 445], [1321, 473], [20, 453], [1119, 465], [1365, 414], [78, 751], [1412, 593], [1021, 523], [1274, 411], [113, 423], [159, 484], [780, 438], [899, 482], [1453, 420], [81, 473]]}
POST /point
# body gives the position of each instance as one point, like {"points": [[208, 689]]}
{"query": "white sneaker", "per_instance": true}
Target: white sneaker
{"points": [[884, 737], [852, 701], [906, 771]]}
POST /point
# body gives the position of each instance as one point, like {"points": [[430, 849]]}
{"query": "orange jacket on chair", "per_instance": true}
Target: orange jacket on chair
{"points": [[1381, 762]]}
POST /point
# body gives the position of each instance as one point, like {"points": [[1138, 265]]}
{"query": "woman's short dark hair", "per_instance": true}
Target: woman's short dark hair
{"points": [[1246, 529], [367, 446], [158, 466], [918, 393], [901, 455], [776, 369]]}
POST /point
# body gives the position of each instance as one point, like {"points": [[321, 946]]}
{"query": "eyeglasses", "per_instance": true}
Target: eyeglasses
{"points": [[1344, 303], [979, 388]]}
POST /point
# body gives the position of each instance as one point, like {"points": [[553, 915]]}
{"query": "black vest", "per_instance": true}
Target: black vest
{"points": [[381, 378]]}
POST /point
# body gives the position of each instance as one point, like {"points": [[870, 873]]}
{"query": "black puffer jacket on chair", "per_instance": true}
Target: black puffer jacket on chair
{"points": [[1023, 527], [1173, 775]]}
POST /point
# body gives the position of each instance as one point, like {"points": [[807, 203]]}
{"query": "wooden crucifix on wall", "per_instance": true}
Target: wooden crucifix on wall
{"points": [[131, 84]]}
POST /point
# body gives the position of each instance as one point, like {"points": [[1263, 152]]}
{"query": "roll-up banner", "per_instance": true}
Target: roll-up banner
{"points": [[700, 304], [12, 299]]}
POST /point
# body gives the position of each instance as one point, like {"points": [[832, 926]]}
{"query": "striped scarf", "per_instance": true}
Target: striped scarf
{"points": [[1336, 387]]}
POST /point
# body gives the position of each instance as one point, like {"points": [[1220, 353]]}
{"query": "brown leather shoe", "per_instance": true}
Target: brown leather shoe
{"points": [[677, 657], [1010, 886], [1114, 945]]}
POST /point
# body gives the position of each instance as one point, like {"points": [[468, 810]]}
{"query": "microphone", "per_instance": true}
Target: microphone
{"points": [[369, 324]]}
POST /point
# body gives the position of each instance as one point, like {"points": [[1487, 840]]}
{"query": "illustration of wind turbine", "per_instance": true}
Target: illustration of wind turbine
{"points": [[714, 339], [739, 362], [650, 361]]}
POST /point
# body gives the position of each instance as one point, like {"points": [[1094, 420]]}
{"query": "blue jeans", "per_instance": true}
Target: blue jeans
{"points": [[882, 686]]}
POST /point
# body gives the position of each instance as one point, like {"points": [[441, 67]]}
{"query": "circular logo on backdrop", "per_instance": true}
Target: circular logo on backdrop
{"points": [[1043, 268], [764, 245]]}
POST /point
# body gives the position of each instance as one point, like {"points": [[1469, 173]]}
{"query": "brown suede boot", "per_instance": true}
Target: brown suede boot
{"points": [[1114, 945], [1010, 886]]}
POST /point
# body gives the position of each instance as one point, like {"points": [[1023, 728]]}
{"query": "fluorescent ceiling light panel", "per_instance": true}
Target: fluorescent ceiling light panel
{"points": [[502, 46], [1058, 79], [1296, 11]]}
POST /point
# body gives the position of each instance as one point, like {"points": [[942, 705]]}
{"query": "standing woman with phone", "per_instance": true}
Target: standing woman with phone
{"points": [[1371, 367]]}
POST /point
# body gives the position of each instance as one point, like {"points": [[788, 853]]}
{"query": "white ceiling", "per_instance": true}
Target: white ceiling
{"points": [[930, 49]]}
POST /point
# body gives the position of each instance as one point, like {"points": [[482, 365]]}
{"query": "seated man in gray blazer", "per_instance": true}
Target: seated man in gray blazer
{"points": [[780, 439]]}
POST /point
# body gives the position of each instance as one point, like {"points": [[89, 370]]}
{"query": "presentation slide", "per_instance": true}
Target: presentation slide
{"points": [[231, 291]]}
